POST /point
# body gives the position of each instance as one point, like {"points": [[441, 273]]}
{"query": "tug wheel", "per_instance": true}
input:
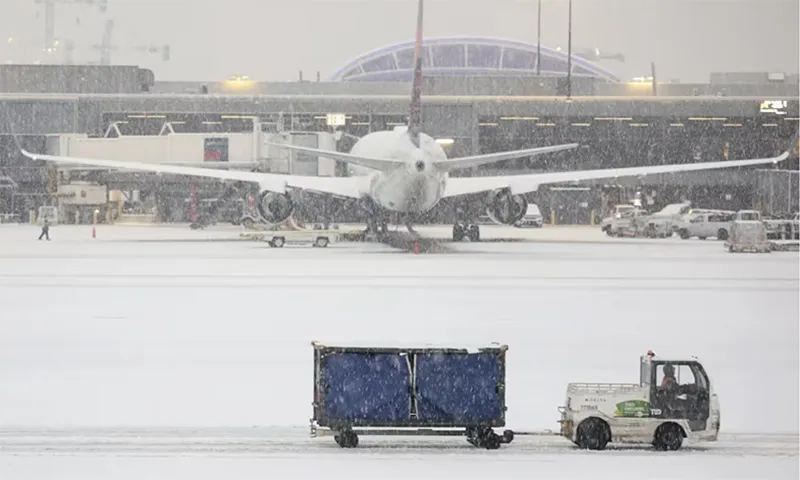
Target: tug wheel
{"points": [[668, 437], [593, 434]]}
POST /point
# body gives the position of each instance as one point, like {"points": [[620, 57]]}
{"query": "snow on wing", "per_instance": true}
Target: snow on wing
{"points": [[519, 184], [351, 187]]}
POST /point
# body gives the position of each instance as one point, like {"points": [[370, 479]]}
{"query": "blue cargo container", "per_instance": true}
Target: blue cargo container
{"points": [[417, 390]]}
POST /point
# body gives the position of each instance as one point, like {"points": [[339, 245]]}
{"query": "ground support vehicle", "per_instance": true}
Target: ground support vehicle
{"points": [[605, 223], [705, 224], [410, 391], [658, 411], [637, 223], [277, 239], [783, 228], [784, 246], [748, 236]]}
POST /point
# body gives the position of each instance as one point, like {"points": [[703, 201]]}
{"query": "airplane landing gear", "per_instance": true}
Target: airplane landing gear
{"points": [[410, 226], [376, 226], [462, 230], [377, 221]]}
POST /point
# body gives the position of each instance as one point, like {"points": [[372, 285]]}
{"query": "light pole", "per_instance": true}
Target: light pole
{"points": [[569, 53], [539, 41]]}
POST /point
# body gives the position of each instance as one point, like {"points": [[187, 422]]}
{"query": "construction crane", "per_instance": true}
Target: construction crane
{"points": [[50, 18], [106, 47]]}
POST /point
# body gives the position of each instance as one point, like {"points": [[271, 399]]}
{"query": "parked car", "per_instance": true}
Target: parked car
{"points": [[532, 218]]}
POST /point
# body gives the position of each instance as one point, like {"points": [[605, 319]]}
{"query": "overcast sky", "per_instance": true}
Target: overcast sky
{"points": [[273, 39]]}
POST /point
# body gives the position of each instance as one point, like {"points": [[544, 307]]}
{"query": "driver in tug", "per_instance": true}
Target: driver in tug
{"points": [[669, 390], [669, 382]]}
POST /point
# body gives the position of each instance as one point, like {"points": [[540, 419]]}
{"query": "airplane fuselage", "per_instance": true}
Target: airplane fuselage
{"points": [[417, 185]]}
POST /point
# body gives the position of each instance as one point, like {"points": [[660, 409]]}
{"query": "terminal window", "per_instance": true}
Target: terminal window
{"points": [[519, 59], [405, 58], [483, 56], [550, 64], [449, 56], [380, 64]]}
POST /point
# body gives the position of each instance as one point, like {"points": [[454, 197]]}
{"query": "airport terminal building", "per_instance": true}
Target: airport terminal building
{"points": [[480, 95]]}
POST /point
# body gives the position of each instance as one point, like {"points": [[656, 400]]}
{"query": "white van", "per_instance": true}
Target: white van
{"points": [[532, 218], [704, 225]]}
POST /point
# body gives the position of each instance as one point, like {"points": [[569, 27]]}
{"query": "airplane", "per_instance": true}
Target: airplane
{"points": [[405, 171]]}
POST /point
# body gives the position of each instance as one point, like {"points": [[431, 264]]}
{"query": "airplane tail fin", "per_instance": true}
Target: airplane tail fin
{"points": [[415, 116]]}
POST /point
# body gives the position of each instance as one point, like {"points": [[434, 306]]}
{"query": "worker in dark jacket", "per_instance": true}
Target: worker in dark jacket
{"points": [[669, 382], [45, 230]]}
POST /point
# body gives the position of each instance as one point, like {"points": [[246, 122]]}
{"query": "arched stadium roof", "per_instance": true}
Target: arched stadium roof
{"points": [[464, 56]]}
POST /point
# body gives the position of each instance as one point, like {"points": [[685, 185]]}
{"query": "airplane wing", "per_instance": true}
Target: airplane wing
{"points": [[451, 164], [519, 184], [382, 164], [351, 187]]}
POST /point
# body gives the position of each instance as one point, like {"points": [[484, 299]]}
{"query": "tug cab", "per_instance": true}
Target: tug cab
{"points": [[673, 400]]}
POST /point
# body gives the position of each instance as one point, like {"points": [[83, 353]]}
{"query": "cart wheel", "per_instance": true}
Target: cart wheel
{"points": [[277, 242], [491, 440], [347, 439], [321, 242], [472, 436], [508, 436]]}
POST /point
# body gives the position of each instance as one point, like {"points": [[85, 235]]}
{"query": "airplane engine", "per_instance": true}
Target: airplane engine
{"points": [[505, 208], [274, 208]]}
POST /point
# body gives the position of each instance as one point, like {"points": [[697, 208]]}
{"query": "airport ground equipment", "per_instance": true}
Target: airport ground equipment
{"points": [[638, 223], [748, 236], [439, 391], [706, 224], [278, 238], [783, 228], [654, 411], [605, 224]]}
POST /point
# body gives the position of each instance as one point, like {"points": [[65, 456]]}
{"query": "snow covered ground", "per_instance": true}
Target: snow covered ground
{"points": [[161, 352]]}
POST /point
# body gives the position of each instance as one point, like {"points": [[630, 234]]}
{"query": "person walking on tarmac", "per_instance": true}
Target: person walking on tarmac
{"points": [[45, 230]]}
